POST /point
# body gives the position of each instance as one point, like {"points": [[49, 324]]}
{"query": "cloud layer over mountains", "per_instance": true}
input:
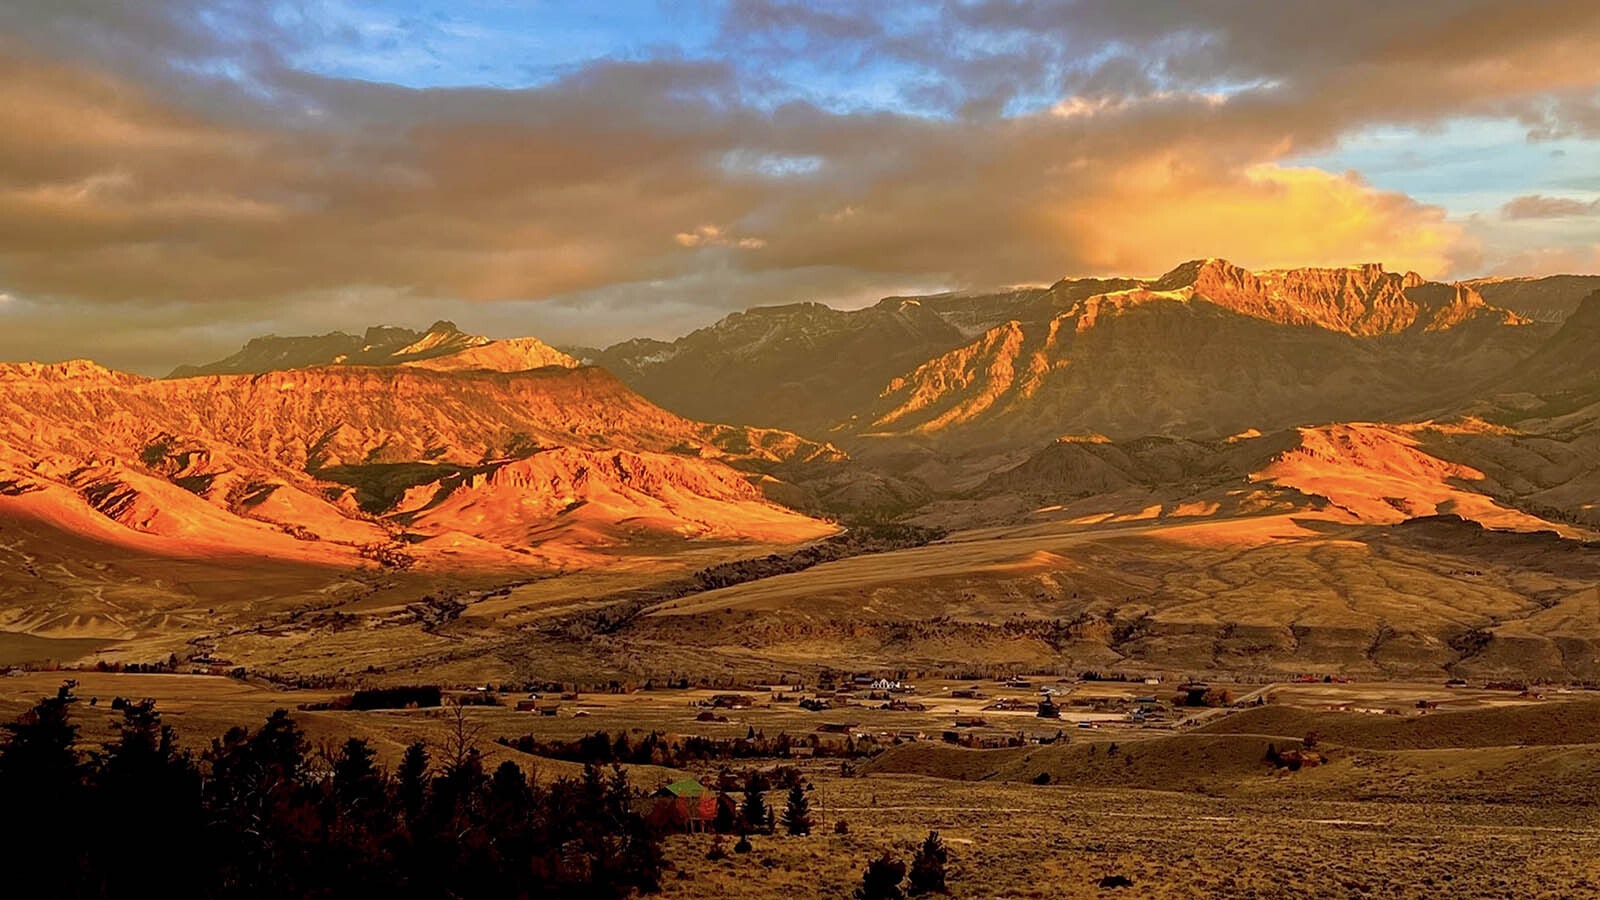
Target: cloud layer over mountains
{"points": [[182, 174]]}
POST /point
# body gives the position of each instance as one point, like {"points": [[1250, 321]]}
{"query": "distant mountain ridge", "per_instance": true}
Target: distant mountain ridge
{"points": [[1550, 298], [384, 345], [1206, 349]]}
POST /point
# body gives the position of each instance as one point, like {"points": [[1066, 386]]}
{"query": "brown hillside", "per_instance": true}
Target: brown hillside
{"points": [[325, 464], [1548, 724]]}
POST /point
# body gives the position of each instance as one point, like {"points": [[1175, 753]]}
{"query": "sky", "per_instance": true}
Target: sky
{"points": [[177, 176]]}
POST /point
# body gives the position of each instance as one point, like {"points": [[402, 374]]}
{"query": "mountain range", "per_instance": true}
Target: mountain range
{"points": [[1296, 413], [1207, 349]]}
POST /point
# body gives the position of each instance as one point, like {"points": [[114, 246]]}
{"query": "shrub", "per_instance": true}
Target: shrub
{"points": [[881, 880], [797, 812]]}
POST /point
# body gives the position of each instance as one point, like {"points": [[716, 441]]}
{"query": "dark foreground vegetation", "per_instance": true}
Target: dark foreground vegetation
{"points": [[259, 815]]}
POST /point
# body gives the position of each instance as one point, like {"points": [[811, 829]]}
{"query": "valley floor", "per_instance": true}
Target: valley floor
{"points": [[1489, 795]]}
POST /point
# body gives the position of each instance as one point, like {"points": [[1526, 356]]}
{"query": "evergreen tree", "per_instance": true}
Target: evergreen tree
{"points": [[40, 754], [509, 787], [357, 785], [797, 812], [144, 770], [413, 781], [725, 822], [41, 792], [264, 823], [755, 809], [927, 867]]}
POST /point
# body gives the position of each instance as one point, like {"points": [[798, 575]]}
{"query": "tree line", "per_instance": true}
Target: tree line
{"points": [[657, 749], [258, 815]]}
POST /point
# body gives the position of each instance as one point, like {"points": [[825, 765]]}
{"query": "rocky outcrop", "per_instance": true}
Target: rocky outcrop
{"points": [[1203, 351]]}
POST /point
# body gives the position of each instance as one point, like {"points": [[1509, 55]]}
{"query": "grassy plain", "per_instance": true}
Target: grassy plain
{"points": [[1489, 795]]}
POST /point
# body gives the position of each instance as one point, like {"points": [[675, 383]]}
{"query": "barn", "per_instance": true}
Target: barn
{"points": [[685, 805]]}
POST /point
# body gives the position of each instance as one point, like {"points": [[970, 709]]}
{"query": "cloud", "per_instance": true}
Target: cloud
{"points": [[1538, 206], [168, 171], [1270, 216], [716, 236], [1572, 260]]}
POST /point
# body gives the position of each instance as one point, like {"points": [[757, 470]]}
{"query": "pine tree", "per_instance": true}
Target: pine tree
{"points": [[413, 777], [927, 868], [509, 786], [40, 753], [724, 822], [755, 805], [357, 784], [41, 794], [797, 812]]}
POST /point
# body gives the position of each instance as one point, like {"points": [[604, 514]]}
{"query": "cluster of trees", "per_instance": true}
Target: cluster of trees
{"points": [[884, 876], [258, 815], [1202, 695], [753, 815], [170, 664], [657, 749], [397, 697]]}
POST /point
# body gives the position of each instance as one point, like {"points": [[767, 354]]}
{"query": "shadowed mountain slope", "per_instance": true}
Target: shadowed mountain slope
{"points": [[1548, 299]]}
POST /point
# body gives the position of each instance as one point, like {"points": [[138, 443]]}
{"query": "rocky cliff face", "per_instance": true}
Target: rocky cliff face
{"points": [[511, 355], [1362, 301], [1207, 350]]}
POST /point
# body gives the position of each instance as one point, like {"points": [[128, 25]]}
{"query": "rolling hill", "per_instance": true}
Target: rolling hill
{"points": [[338, 464]]}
